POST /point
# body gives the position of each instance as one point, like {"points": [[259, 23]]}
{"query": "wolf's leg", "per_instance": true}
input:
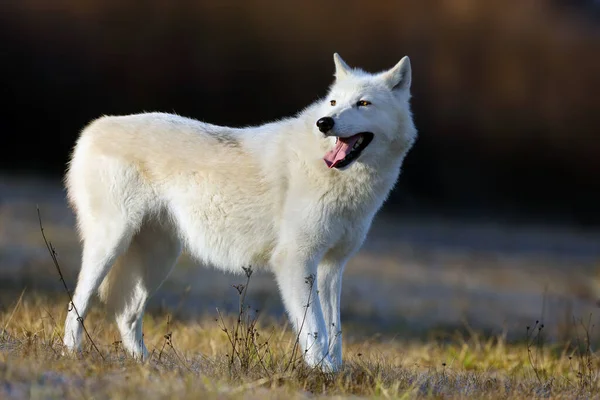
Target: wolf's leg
{"points": [[298, 281], [135, 277], [330, 289], [100, 250]]}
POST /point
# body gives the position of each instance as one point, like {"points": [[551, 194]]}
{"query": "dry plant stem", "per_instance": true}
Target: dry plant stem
{"points": [[168, 341], [530, 340], [166, 337], [586, 366], [243, 336], [52, 252], [242, 294], [181, 361], [223, 327], [261, 357], [243, 340]]}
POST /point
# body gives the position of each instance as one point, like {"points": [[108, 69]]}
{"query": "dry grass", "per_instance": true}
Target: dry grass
{"points": [[254, 356], [193, 359]]}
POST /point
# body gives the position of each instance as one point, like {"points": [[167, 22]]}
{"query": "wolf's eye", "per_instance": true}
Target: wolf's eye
{"points": [[332, 102], [363, 103]]}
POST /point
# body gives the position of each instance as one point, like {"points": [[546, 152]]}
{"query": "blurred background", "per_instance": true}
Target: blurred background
{"points": [[495, 221]]}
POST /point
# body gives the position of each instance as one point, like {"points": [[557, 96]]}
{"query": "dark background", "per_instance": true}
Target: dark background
{"points": [[505, 93]]}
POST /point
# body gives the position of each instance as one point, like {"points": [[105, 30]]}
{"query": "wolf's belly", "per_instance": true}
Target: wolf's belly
{"points": [[227, 237]]}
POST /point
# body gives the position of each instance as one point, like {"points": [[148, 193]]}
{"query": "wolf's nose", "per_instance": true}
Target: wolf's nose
{"points": [[325, 124]]}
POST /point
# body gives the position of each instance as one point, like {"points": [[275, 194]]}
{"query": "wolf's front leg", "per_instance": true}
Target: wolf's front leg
{"points": [[297, 280], [330, 290]]}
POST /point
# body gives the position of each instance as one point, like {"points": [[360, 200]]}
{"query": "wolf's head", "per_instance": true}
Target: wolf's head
{"points": [[366, 116]]}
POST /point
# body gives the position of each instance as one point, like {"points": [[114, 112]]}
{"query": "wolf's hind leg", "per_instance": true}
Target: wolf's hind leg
{"points": [[100, 251], [135, 278]]}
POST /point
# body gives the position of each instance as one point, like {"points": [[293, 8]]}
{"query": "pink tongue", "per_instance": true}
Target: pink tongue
{"points": [[341, 150]]}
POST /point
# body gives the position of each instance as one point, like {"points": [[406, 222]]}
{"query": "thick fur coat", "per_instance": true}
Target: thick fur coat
{"points": [[286, 196]]}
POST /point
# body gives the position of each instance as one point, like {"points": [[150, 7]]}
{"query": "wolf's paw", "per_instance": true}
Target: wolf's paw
{"points": [[70, 350], [323, 363], [139, 354], [328, 366]]}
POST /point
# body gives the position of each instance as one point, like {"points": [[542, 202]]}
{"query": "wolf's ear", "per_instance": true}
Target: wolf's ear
{"points": [[341, 68], [400, 76]]}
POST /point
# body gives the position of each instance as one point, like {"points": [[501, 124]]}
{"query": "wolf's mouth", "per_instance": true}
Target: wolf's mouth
{"points": [[347, 149]]}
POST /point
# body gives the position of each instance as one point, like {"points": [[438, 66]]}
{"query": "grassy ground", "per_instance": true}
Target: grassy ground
{"points": [[192, 359], [430, 309]]}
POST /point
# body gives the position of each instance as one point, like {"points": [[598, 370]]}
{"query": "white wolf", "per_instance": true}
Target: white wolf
{"points": [[295, 197]]}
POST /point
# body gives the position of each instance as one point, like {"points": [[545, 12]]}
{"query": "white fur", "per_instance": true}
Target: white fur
{"points": [[144, 186]]}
